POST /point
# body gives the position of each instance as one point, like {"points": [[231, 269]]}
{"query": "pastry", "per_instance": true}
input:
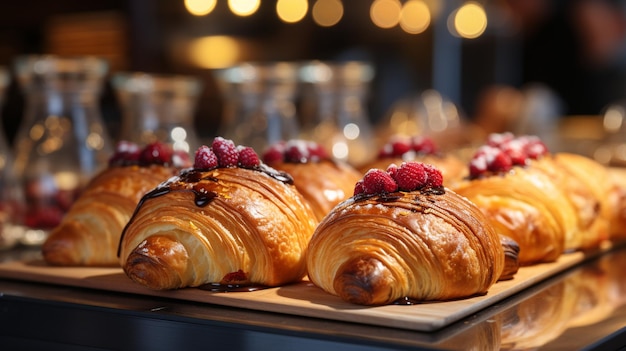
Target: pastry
{"points": [[521, 202], [403, 236], [400, 148], [228, 220], [618, 204], [322, 181], [89, 233]]}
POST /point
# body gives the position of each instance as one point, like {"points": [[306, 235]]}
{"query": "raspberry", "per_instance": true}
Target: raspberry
{"points": [[126, 153], [274, 153], [392, 169], [205, 158], [226, 152], [535, 148], [497, 139], [317, 151], [296, 152], [478, 166], [424, 145], [155, 153], [248, 157], [180, 159], [516, 151], [501, 162], [377, 181], [434, 177], [358, 188], [410, 176]]}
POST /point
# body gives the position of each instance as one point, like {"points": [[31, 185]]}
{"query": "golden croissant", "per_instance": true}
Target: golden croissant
{"points": [[404, 236], [322, 181], [91, 230], [229, 220], [521, 202]]}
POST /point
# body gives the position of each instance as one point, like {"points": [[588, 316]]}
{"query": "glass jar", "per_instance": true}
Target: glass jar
{"points": [[11, 201], [260, 107], [335, 112], [62, 141], [158, 108]]}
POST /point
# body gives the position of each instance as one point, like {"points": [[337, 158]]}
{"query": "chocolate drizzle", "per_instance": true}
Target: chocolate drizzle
{"points": [[219, 287]]}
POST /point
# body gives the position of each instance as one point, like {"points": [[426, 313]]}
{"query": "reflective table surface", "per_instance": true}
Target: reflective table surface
{"points": [[583, 308]]}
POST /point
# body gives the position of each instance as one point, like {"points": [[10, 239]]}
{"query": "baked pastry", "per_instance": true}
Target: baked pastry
{"points": [[521, 202], [618, 203], [322, 181], [229, 220], [400, 148], [403, 236], [89, 233]]}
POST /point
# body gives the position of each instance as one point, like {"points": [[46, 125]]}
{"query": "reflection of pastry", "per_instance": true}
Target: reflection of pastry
{"points": [[322, 181], [522, 202], [90, 232], [617, 177], [403, 235], [423, 149], [230, 220]]}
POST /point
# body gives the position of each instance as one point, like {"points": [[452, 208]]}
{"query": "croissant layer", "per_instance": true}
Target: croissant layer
{"points": [[204, 227], [376, 250], [91, 230]]}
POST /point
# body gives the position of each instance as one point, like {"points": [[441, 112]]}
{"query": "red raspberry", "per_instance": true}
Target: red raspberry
{"points": [[535, 148], [497, 139], [317, 151], [180, 159], [205, 158], [247, 157], [478, 166], [392, 169], [126, 153], [377, 181], [226, 152], [274, 153], [156, 153], [296, 152], [424, 145], [410, 176], [516, 151], [358, 188], [434, 177], [501, 162]]}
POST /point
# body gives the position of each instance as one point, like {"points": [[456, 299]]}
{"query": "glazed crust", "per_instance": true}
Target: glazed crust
{"points": [[525, 205], [323, 184], [204, 225], [376, 250], [91, 230]]}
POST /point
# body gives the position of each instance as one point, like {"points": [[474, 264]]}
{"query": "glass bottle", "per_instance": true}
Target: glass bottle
{"points": [[62, 141], [158, 108], [335, 112], [11, 201], [260, 107]]}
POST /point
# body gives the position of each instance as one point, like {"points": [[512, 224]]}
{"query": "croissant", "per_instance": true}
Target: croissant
{"points": [[522, 203], [618, 204], [322, 181], [404, 236], [229, 220], [89, 233], [399, 149]]}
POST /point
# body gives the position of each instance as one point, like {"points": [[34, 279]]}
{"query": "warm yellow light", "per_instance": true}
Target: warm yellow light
{"points": [[243, 8], [327, 13], [469, 21], [415, 16], [214, 52], [291, 11], [385, 13], [200, 7]]}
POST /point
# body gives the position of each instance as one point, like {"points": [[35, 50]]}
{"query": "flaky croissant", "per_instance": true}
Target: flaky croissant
{"points": [[228, 222], [91, 230], [322, 181], [387, 244]]}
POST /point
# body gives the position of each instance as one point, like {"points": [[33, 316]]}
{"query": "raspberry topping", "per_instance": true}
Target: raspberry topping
{"points": [[295, 151], [503, 151], [408, 147], [409, 176], [128, 153], [224, 153]]}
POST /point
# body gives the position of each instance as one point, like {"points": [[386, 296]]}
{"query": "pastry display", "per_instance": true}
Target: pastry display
{"points": [[400, 148], [89, 233], [404, 237], [521, 202], [322, 181], [228, 220]]}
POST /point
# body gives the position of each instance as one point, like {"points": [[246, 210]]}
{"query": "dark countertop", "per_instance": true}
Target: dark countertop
{"points": [[581, 308]]}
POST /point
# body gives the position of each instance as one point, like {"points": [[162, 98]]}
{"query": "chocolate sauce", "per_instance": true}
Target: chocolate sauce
{"points": [[406, 301], [219, 287]]}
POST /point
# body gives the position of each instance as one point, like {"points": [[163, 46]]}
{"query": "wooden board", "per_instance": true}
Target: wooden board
{"points": [[301, 299]]}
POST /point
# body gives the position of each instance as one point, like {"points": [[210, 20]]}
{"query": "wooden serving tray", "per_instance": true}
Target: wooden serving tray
{"points": [[301, 299]]}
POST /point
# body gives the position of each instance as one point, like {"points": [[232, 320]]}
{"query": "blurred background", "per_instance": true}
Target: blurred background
{"points": [[487, 58]]}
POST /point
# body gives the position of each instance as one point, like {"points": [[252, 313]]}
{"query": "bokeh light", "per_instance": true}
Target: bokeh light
{"points": [[291, 11], [200, 7], [385, 13], [327, 13], [415, 16]]}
